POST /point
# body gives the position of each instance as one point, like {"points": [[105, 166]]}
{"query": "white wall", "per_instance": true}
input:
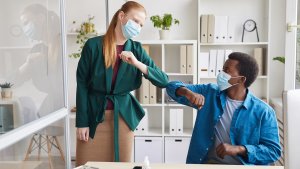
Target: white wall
{"points": [[277, 47]]}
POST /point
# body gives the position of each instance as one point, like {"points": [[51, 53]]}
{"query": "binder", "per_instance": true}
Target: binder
{"points": [[183, 59], [190, 59], [211, 29], [144, 92], [212, 63], [227, 53], [173, 121], [221, 29], [204, 27], [203, 64], [153, 94], [179, 121], [147, 49], [259, 57], [220, 61], [233, 27], [143, 126]]}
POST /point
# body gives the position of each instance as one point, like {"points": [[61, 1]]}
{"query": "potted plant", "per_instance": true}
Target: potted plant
{"points": [[164, 23], [87, 29], [6, 91], [89, 26]]}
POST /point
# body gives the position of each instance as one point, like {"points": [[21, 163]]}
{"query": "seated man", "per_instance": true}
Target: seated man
{"points": [[232, 126]]}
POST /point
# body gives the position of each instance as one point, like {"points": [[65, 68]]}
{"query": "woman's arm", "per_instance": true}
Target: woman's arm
{"points": [[83, 77], [186, 94], [147, 66], [128, 57]]}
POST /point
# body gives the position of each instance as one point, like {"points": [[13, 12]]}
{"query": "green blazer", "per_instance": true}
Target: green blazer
{"points": [[94, 87]]}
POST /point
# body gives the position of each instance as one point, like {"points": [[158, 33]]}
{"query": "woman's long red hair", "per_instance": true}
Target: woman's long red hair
{"points": [[109, 41]]}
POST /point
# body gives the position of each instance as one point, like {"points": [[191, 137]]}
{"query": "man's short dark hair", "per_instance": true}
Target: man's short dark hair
{"points": [[247, 66]]}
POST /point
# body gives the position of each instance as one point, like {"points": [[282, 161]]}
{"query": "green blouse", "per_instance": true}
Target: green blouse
{"points": [[94, 87]]}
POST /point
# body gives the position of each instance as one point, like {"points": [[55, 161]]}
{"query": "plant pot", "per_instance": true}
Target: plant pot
{"points": [[6, 93], [164, 34], [89, 28]]}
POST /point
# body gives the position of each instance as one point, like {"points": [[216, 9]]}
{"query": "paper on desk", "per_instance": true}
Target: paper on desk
{"points": [[86, 167]]}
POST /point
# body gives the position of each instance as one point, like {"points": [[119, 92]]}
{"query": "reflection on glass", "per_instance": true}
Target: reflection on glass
{"points": [[297, 85], [42, 150], [30, 59]]}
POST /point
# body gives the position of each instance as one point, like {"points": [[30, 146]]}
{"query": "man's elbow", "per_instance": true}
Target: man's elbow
{"points": [[275, 156], [278, 153]]}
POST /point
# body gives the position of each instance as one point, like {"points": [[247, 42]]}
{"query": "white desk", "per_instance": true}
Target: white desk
{"points": [[20, 164], [107, 165]]}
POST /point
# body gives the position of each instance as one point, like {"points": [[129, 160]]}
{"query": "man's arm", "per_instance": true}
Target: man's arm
{"points": [[186, 94], [268, 150]]}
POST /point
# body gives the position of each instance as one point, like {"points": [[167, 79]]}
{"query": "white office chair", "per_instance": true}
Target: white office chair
{"points": [[46, 137], [291, 107]]}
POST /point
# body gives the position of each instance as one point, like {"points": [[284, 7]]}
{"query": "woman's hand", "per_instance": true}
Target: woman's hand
{"points": [[83, 134], [129, 57]]}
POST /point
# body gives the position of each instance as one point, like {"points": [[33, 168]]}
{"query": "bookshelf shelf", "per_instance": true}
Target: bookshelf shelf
{"points": [[214, 77], [222, 13], [236, 44], [166, 54], [179, 74]]}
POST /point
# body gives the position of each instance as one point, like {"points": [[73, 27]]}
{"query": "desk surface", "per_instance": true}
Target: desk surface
{"points": [[108, 165]]}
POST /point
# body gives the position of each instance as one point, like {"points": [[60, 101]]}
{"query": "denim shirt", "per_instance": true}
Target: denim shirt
{"points": [[253, 126]]}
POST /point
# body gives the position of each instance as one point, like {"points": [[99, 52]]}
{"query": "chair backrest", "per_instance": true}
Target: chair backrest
{"points": [[28, 109], [291, 109]]}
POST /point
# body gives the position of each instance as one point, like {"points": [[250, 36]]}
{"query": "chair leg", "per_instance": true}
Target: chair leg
{"points": [[49, 152], [29, 149], [59, 148], [40, 147]]}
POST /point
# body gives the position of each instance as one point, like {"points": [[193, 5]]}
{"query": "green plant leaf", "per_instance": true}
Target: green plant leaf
{"points": [[167, 21], [280, 59]]}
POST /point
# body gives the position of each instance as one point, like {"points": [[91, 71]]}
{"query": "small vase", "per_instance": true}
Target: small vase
{"points": [[89, 28], [6, 93], [164, 34]]}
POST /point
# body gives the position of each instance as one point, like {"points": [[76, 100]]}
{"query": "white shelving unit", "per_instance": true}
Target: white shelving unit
{"points": [[166, 55], [259, 11]]}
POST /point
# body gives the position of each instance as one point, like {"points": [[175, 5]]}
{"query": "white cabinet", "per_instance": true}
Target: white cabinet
{"points": [[148, 146], [176, 149]]}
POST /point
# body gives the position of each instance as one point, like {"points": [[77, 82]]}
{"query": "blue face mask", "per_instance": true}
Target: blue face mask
{"points": [[31, 31], [131, 29], [223, 80]]}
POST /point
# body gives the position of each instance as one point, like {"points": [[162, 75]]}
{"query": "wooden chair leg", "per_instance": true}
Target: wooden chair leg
{"points": [[29, 149], [40, 147], [49, 152], [59, 148]]}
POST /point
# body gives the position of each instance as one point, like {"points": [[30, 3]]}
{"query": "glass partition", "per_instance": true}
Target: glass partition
{"points": [[31, 69], [41, 150], [297, 81]]}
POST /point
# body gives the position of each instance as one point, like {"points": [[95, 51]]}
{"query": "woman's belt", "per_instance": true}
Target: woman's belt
{"points": [[112, 97]]}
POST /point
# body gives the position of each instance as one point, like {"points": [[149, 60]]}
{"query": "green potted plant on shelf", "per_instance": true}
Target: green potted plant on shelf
{"points": [[6, 91], [164, 23], [87, 29]]}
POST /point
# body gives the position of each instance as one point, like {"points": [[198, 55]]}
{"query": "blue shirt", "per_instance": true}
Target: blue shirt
{"points": [[253, 126], [222, 130]]}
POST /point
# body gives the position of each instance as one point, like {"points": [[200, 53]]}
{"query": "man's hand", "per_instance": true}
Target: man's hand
{"points": [[228, 149], [195, 99], [83, 134]]}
